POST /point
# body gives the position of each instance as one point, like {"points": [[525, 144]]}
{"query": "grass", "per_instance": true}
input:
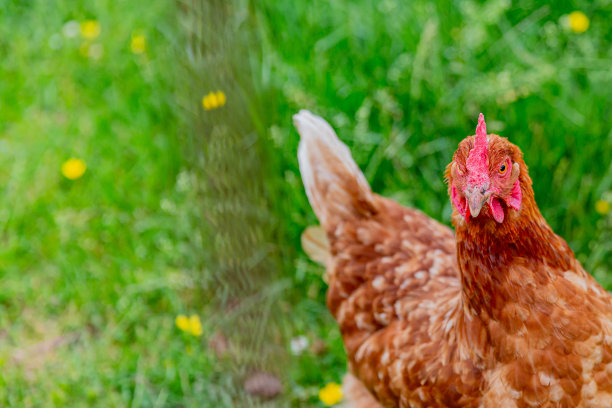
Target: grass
{"points": [[187, 211], [100, 265]]}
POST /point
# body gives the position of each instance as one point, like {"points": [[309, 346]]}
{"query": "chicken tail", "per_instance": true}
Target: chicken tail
{"points": [[336, 188]]}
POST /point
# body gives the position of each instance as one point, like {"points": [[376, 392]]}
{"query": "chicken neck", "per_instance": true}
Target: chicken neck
{"points": [[506, 274]]}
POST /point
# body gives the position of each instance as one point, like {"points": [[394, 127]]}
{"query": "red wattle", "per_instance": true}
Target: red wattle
{"points": [[496, 210], [460, 203]]}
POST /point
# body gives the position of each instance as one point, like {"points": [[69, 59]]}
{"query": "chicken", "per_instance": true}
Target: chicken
{"points": [[499, 314]]}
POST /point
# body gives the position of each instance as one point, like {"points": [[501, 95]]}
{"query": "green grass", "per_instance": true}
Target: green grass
{"points": [[183, 210], [108, 257]]}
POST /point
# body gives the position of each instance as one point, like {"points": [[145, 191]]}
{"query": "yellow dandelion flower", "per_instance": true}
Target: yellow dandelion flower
{"points": [[578, 21], [209, 101], [73, 168], [331, 394], [220, 98], [195, 325], [90, 29], [602, 207], [182, 322], [138, 44], [213, 100]]}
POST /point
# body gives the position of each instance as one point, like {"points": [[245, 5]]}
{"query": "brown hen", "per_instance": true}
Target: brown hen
{"points": [[501, 314]]}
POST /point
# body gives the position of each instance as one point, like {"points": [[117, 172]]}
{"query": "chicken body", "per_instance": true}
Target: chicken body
{"points": [[499, 315]]}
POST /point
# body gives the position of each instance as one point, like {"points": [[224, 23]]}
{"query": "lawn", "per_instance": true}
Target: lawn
{"points": [[94, 270], [192, 207]]}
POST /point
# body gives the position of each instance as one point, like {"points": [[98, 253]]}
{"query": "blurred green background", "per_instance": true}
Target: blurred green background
{"points": [[170, 272]]}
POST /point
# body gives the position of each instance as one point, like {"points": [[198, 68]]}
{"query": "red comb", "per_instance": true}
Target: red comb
{"points": [[477, 161], [481, 133]]}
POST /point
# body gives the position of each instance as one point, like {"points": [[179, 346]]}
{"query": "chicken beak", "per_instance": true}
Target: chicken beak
{"points": [[476, 198]]}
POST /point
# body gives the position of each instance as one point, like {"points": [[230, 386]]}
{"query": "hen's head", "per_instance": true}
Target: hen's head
{"points": [[484, 178]]}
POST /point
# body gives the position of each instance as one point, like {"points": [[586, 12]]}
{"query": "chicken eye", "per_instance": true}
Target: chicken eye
{"points": [[503, 169], [457, 169]]}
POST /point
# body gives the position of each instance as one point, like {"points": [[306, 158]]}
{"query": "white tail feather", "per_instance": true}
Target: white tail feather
{"points": [[336, 188]]}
